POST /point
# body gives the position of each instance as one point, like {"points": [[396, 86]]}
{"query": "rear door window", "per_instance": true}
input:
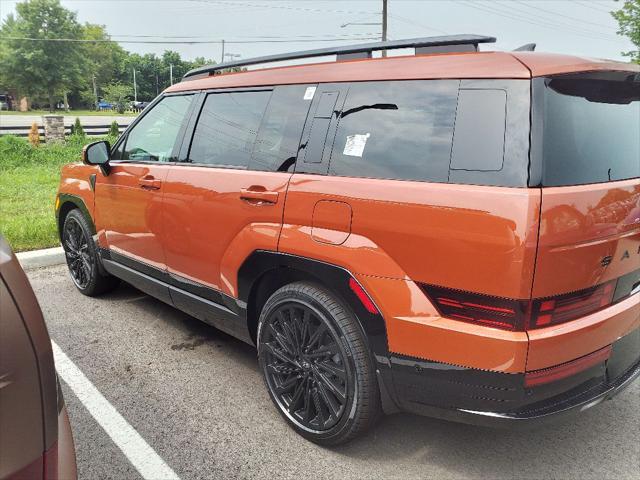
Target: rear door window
{"points": [[396, 130], [591, 128], [276, 146], [227, 128]]}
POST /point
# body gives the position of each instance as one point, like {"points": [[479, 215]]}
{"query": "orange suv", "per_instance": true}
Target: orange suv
{"points": [[452, 233]]}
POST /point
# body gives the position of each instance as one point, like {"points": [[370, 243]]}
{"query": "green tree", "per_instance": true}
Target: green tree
{"points": [[32, 59], [117, 94], [628, 18], [104, 62], [77, 129]]}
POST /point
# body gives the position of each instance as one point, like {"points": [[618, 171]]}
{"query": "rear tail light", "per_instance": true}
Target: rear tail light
{"points": [[482, 309], [560, 309], [520, 315], [548, 375]]}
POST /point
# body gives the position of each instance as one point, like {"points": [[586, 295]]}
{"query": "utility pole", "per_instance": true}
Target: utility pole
{"points": [[95, 91], [222, 61], [135, 87], [171, 73], [384, 25]]}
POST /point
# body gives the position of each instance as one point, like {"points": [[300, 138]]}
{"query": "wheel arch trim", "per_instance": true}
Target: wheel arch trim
{"points": [[66, 199]]}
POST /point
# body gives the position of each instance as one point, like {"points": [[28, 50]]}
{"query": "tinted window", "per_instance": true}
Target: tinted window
{"points": [[227, 128], [277, 144], [591, 128], [154, 136], [479, 132], [398, 130]]}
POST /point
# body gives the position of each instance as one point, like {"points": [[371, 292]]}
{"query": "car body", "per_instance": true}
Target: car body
{"points": [[491, 261], [35, 435]]}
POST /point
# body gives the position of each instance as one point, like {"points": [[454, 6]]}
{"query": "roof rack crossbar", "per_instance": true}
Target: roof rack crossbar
{"points": [[344, 51]]}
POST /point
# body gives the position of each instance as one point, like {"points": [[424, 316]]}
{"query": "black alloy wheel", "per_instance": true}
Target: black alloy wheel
{"points": [[316, 364], [305, 366], [76, 248], [82, 256]]}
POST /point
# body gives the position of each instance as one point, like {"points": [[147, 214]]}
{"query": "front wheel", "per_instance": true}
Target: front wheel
{"points": [[316, 364], [82, 256]]}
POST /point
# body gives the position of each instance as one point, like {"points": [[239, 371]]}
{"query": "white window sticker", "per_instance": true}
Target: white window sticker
{"points": [[309, 93], [355, 144]]}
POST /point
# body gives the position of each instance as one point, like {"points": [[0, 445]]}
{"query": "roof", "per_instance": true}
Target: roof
{"points": [[478, 65]]}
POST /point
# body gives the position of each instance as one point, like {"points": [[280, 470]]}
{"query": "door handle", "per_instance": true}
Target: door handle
{"points": [[258, 195], [148, 182]]}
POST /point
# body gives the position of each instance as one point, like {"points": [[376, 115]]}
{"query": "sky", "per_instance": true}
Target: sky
{"points": [[262, 27]]}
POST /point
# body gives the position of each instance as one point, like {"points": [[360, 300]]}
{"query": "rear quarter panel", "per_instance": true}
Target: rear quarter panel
{"points": [[475, 238]]}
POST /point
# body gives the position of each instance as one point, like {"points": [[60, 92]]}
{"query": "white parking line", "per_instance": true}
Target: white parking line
{"points": [[144, 458]]}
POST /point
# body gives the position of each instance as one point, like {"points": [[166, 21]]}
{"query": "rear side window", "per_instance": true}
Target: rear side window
{"points": [[276, 147], [591, 128], [227, 128], [480, 128], [396, 130]]}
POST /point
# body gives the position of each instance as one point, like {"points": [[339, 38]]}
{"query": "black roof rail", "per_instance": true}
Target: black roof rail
{"points": [[422, 45], [528, 47]]}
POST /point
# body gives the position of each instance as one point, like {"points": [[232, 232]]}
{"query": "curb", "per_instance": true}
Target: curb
{"points": [[41, 258]]}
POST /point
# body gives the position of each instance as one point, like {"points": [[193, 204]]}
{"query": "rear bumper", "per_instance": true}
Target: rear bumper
{"points": [[499, 399]]}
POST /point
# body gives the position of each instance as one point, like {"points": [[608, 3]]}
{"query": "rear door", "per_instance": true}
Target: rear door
{"points": [[227, 198], [588, 157], [128, 200]]}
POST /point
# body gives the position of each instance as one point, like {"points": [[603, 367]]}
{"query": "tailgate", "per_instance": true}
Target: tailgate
{"points": [[589, 235]]}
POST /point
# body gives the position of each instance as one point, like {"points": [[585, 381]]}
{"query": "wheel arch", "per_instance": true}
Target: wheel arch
{"points": [[263, 272], [69, 202]]}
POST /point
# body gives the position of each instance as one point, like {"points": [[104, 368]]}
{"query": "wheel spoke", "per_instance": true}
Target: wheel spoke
{"points": [[297, 396], [288, 384], [281, 339], [317, 403], [316, 336], [282, 356], [335, 389], [332, 368], [333, 406]]}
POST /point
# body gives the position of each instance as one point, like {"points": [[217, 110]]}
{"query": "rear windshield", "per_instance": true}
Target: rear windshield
{"points": [[591, 128]]}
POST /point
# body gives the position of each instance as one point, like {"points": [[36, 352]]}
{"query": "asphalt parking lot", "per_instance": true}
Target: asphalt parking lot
{"points": [[196, 396]]}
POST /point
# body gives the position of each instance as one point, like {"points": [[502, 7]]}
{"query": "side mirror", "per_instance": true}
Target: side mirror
{"points": [[97, 153]]}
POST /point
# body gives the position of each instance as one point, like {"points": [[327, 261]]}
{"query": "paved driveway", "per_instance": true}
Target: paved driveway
{"points": [[197, 398]]}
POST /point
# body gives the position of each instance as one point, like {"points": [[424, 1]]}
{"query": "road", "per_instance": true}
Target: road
{"points": [[27, 120], [196, 396]]}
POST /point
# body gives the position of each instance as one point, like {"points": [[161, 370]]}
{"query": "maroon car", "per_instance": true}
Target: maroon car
{"points": [[35, 435]]}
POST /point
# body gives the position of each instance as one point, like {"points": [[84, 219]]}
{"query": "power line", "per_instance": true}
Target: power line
{"points": [[555, 14], [513, 16], [189, 42]]}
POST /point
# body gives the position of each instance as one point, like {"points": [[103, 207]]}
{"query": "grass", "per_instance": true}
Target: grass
{"points": [[72, 113], [29, 178]]}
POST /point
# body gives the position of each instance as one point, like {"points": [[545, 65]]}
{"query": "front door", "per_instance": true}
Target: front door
{"points": [[227, 200], [128, 200]]}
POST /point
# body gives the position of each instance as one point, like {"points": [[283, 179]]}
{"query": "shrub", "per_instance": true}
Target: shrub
{"points": [[34, 135], [76, 128], [114, 130]]}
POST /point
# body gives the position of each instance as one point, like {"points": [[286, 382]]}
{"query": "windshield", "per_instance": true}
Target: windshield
{"points": [[591, 128]]}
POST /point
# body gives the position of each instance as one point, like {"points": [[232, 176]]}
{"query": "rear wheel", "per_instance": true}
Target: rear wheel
{"points": [[316, 364], [82, 256]]}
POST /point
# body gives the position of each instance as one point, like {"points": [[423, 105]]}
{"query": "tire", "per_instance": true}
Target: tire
{"points": [[316, 364], [82, 256]]}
